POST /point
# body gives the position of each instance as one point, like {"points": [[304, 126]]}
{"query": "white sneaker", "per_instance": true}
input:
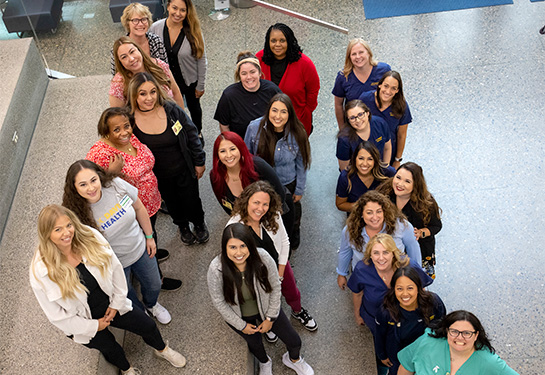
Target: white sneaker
{"points": [[301, 367], [265, 368], [160, 313], [171, 355], [131, 371]]}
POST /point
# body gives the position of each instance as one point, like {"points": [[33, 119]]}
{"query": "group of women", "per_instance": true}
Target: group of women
{"points": [[387, 250], [150, 151]]}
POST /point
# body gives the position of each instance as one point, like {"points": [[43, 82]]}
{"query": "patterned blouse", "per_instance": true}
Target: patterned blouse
{"points": [[138, 170], [157, 50], [117, 84]]}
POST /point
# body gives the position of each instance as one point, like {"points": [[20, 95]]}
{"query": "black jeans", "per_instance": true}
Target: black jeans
{"points": [[135, 321], [181, 195], [281, 327], [193, 103], [295, 236]]}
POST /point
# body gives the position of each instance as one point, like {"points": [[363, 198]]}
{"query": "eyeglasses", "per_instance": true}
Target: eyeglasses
{"points": [[359, 117], [136, 21], [465, 334]]}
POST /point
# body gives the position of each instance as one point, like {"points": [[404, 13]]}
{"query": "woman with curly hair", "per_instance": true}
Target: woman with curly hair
{"points": [[409, 192], [234, 168], [81, 287], [181, 32], [284, 63], [407, 311], [373, 214], [458, 345], [258, 207], [364, 174], [389, 103], [111, 205], [130, 59], [280, 139], [372, 277], [361, 73], [247, 98]]}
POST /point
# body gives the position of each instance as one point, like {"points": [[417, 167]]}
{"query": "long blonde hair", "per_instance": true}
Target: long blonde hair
{"points": [[192, 28], [84, 243]]}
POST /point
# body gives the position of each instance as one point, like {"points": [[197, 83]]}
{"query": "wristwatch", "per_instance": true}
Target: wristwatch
{"points": [[399, 159], [271, 319], [423, 233]]}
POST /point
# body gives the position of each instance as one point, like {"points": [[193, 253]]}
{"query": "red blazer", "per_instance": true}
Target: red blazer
{"points": [[301, 83]]}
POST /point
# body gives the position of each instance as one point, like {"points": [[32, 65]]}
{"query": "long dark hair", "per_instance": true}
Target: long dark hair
{"points": [[267, 138], [441, 331], [399, 105], [72, 200], [192, 29], [376, 171], [421, 199], [425, 299], [294, 50], [232, 279]]}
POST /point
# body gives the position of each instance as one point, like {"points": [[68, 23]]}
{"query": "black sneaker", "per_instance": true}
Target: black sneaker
{"points": [[187, 237], [171, 284], [162, 255], [201, 233], [306, 320], [163, 208]]}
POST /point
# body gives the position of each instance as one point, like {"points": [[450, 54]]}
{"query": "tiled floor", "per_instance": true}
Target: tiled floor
{"points": [[474, 81]]}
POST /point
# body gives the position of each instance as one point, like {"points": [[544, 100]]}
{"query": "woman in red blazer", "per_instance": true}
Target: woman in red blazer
{"points": [[284, 63]]}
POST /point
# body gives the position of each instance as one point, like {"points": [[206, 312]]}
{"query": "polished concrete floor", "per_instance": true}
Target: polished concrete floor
{"points": [[474, 81]]}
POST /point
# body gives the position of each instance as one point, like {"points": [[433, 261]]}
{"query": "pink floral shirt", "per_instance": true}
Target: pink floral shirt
{"points": [[137, 170], [117, 84]]}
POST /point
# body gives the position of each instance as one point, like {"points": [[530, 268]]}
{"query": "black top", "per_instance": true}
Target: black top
{"points": [[266, 243], [278, 68], [97, 300], [172, 53], [169, 160], [427, 245], [237, 107]]}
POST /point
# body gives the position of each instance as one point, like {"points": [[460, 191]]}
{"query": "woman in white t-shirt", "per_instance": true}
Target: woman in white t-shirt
{"points": [[112, 206]]}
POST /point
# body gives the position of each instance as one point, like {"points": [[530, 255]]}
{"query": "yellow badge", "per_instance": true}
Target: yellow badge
{"points": [[177, 127], [227, 204]]}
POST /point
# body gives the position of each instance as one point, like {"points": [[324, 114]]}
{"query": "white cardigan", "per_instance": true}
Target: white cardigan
{"points": [[280, 239], [73, 316]]}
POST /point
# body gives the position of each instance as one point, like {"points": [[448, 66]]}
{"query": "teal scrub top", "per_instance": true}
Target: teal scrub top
{"points": [[431, 356]]}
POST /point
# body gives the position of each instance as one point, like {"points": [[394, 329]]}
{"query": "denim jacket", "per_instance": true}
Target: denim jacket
{"points": [[288, 161]]}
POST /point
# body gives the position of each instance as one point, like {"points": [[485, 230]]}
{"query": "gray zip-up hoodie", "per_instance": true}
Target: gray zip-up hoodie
{"points": [[267, 303]]}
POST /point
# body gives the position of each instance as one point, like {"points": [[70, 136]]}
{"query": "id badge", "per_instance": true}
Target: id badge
{"points": [[176, 127]]}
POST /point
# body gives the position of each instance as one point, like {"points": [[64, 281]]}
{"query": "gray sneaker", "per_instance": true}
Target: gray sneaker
{"points": [[301, 367], [171, 355]]}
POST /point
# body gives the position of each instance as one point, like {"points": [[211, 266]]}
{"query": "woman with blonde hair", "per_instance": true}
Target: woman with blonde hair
{"points": [[372, 214], [136, 20], [371, 280], [247, 98], [81, 287], [182, 35], [361, 73], [130, 59]]}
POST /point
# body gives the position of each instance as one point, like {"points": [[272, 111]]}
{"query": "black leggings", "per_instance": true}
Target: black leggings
{"points": [[135, 321], [281, 327], [193, 103]]}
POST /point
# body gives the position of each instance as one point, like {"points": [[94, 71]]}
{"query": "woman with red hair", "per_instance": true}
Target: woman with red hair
{"points": [[234, 168]]}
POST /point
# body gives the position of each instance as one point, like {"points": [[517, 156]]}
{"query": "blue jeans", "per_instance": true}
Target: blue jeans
{"points": [[146, 272]]}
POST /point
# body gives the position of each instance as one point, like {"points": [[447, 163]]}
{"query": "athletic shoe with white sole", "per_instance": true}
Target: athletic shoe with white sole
{"points": [[160, 313], [306, 320], [176, 359], [301, 367]]}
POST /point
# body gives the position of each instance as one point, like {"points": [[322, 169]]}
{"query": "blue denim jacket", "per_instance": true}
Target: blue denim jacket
{"points": [[288, 162]]}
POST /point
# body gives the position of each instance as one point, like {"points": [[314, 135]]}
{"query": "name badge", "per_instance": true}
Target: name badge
{"points": [[177, 127]]}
